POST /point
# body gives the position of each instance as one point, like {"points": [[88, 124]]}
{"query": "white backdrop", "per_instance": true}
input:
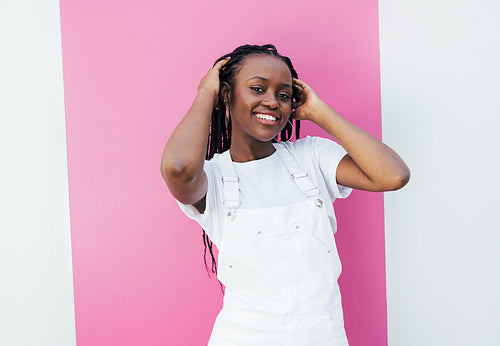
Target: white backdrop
{"points": [[440, 70], [36, 283]]}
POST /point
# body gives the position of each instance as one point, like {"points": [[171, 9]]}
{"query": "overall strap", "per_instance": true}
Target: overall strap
{"points": [[230, 183], [299, 175]]}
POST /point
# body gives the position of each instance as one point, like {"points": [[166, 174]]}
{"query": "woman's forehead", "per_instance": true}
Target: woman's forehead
{"points": [[266, 66]]}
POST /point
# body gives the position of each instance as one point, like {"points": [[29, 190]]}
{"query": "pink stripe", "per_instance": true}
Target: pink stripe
{"points": [[130, 73]]}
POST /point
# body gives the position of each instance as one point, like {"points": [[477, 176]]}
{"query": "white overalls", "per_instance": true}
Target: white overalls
{"points": [[280, 267]]}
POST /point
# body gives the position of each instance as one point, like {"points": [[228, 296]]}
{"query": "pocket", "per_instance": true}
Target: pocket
{"points": [[259, 262], [316, 261], [235, 246], [321, 244], [314, 242]]}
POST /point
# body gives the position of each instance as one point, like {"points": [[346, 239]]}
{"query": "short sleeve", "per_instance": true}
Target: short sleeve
{"points": [[208, 219], [329, 154]]}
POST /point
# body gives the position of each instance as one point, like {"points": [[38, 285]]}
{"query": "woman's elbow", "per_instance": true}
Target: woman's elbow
{"points": [[177, 171], [399, 180]]}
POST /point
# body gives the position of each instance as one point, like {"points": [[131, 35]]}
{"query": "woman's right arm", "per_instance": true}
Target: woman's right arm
{"points": [[184, 154]]}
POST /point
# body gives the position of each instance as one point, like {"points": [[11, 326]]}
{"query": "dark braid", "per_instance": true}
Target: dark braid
{"points": [[219, 138]]}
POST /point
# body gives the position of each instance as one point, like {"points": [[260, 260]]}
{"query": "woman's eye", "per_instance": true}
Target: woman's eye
{"points": [[284, 96], [258, 89]]}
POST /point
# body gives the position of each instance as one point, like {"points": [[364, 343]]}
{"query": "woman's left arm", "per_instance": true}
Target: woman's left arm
{"points": [[370, 164]]}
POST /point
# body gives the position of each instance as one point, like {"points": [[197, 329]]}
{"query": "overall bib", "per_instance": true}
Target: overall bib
{"points": [[280, 267]]}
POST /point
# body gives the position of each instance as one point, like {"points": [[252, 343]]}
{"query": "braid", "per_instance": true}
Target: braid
{"points": [[219, 139]]}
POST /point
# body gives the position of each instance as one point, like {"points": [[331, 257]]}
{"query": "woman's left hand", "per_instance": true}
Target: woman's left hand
{"points": [[370, 164], [308, 103]]}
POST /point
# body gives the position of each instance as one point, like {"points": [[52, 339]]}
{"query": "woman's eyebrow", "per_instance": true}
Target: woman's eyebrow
{"points": [[267, 80]]}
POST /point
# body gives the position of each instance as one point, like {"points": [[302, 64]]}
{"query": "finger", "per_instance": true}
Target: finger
{"points": [[221, 63], [300, 83], [296, 115], [305, 87], [299, 88]]}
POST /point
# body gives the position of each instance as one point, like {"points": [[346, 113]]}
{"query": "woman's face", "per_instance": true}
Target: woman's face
{"points": [[261, 100]]}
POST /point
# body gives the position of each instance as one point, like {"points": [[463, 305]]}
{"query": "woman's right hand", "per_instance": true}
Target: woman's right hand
{"points": [[211, 81]]}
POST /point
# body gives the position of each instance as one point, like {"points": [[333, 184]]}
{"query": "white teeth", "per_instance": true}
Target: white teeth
{"points": [[265, 116]]}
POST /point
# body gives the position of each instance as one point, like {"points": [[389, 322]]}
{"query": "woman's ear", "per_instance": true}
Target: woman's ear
{"points": [[225, 93]]}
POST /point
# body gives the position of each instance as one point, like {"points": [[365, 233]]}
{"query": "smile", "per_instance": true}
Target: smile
{"points": [[265, 117]]}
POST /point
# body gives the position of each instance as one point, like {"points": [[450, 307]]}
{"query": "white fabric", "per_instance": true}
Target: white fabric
{"points": [[267, 183], [280, 267]]}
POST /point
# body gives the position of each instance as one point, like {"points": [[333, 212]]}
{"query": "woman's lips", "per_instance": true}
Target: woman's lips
{"points": [[266, 116]]}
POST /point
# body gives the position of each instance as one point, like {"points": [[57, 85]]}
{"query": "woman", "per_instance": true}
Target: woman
{"points": [[267, 204]]}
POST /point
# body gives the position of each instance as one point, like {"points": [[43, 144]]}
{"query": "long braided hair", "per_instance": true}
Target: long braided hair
{"points": [[219, 138]]}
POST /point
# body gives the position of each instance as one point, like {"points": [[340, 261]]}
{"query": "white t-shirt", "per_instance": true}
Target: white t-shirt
{"points": [[267, 183]]}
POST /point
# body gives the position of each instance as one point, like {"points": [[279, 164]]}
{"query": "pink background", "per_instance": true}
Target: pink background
{"points": [[131, 69]]}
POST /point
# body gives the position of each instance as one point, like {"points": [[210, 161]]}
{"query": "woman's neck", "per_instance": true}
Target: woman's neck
{"points": [[244, 152]]}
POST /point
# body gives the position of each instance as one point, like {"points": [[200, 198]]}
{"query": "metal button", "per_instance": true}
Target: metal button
{"points": [[230, 266], [329, 251], [319, 203], [230, 215], [297, 226], [259, 232]]}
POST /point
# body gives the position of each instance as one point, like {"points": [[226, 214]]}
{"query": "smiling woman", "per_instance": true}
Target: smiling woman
{"points": [[267, 204], [260, 104]]}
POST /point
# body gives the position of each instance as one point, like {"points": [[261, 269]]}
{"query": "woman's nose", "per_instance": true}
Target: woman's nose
{"points": [[270, 100]]}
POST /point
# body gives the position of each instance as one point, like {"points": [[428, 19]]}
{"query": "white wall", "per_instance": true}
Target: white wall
{"points": [[440, 70], [36, 284]]}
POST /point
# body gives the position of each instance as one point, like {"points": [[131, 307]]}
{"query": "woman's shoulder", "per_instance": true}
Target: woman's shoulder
{"points": [[315, 149], [301, 149], [307, 143], [312, 142], [215, 160], [212, 166]]}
